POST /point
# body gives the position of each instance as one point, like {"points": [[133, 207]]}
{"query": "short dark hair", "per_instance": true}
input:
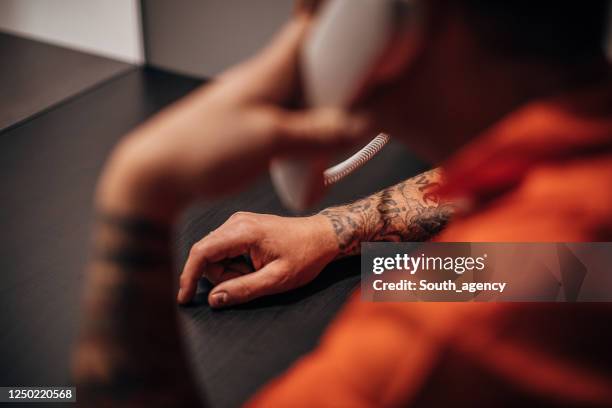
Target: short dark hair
{"points": [[561, 31]]}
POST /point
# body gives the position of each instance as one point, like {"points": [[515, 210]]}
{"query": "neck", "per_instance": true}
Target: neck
{"points": [[474, 88], [501, 87]]}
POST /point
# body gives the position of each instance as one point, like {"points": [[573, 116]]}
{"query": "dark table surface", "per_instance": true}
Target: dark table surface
{"points": [[35, 76], [48, 168]]}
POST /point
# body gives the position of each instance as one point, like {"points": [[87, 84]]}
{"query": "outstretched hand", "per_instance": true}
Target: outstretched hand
{"points": [[286, 253]]}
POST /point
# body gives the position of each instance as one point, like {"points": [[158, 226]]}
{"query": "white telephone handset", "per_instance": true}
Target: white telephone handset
{"points": [[340, 55]]}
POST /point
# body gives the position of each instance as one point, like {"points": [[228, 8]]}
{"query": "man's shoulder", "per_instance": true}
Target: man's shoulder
{"points": [[561, 201]]}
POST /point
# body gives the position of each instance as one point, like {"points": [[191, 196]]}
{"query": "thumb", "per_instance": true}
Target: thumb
{"points": [[316, 129], [308, 7], [248, 287], [272, 74]]}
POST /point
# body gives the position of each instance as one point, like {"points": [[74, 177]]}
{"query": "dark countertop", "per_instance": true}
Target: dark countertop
{"points": [[48, 168], [35, 76]]}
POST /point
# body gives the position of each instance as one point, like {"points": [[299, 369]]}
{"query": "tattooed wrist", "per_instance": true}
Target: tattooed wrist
{"points": [[409, 211]]}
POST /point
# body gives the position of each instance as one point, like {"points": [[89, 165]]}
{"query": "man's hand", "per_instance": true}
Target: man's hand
{"points": [[290, 252], [211, 142], [223, 135], [286, 253]]}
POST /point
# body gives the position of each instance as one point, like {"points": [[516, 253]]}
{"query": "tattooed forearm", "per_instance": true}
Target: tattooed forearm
{"points": [[409, 211], [130, 351]]}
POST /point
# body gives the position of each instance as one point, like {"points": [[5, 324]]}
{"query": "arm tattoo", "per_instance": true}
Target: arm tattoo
{"points": [[130, 350], [409, 211]]}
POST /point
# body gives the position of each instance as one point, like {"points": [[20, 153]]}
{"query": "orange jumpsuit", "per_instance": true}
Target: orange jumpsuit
{"points": [[544, 173]]}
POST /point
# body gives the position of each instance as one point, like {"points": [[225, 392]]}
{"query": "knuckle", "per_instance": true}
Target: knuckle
{"points": [[247, 225], [194, 249], [197, 248], [241, 228], [239, 215], [281, 277], [185, 279]]}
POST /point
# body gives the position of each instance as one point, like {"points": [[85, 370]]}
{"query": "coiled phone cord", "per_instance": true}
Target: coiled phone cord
{"points": [[341, 170]]}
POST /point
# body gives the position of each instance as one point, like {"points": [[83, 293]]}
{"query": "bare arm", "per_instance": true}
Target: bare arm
{"points": [[130, 352], [408, 211], [125, 356], [289, 252]]}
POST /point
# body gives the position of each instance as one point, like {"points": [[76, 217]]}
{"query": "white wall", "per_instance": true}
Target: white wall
{"points": [[110, 28]]}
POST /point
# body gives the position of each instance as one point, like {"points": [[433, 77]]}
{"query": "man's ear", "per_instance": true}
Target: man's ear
{"points": [[309, 7]]}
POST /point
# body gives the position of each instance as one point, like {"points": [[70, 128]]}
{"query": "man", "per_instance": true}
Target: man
{"points": [[513, 98]]}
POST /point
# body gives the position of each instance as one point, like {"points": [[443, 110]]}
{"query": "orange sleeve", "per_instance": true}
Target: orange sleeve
{"points": [[381, 354], [553, 204], [374, 354]]}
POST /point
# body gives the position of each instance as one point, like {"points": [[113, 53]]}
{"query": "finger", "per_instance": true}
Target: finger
{"points": [[228, 269], [213, 272], [271, 75], [317, 129], [223, 276], [239, 265], [230, 240], [266, 281]]}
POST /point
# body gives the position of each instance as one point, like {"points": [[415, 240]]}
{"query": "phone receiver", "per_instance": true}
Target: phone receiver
{"points": [[341, 55]]}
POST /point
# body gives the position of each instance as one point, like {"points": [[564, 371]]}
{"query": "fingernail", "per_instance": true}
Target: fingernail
{"points": [[219, 298], [180, 295]]}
